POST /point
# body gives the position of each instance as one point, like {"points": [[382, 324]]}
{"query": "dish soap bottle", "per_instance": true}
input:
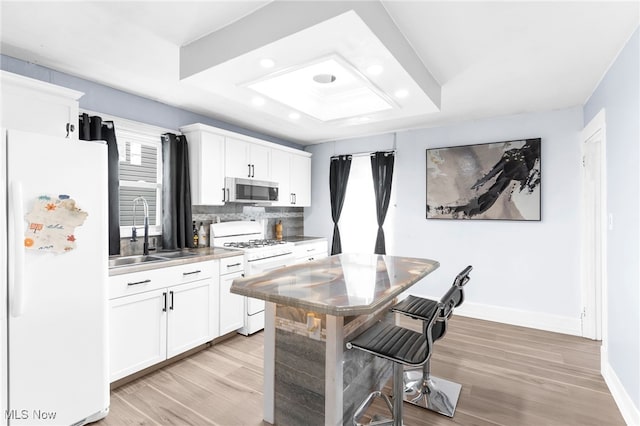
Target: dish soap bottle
{"points": [[195, 234], [202, 236]]}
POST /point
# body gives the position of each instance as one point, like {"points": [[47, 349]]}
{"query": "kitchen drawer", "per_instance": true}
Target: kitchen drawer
{"points": [[311, 251], [229, 265], [138, 282], [190, 272]]}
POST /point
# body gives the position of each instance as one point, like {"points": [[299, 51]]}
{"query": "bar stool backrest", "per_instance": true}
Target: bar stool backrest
{"points": [[451, 299]]}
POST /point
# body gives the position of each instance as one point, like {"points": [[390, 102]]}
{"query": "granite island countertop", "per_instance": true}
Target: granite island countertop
{"points": [[340, 285]]}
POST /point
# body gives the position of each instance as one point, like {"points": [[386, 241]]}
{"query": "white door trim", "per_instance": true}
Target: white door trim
{"points": [[594, 291]]}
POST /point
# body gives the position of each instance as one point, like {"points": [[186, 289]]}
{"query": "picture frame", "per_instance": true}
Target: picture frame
{"points": [[494, 181]]}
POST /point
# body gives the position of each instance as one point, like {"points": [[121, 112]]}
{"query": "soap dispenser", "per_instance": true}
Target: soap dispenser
{"points": [[202, 236]]}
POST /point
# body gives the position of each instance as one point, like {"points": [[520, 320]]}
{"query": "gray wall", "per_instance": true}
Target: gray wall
{"points": [[619, 94], [104, 99], [525, 270]]}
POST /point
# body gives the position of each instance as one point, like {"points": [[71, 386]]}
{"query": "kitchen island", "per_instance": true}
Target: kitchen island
{"points": [[312, 310]]}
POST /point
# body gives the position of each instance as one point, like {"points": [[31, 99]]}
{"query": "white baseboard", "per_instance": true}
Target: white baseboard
{"points": [[537, 320], [630, 413]]}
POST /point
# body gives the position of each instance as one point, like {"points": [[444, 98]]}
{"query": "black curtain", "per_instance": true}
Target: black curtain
{"points": [[177, 230], [382, 171], [338, 178], [94, 129]]}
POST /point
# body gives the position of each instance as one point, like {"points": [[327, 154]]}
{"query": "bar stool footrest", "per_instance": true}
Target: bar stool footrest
{"points": [[376, 420]]}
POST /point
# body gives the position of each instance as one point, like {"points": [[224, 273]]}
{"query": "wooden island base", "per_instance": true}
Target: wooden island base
{"points": [[316, 380]]}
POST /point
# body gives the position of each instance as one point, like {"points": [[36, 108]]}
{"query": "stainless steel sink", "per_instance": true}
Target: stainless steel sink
{"points": [[132, 260], [160, 256]]}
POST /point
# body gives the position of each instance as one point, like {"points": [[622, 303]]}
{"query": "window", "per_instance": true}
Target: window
{"points": [[358, 223], [140, 152]]}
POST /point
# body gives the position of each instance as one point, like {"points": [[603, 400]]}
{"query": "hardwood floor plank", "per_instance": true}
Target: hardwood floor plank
{"points": [[510, 376]]}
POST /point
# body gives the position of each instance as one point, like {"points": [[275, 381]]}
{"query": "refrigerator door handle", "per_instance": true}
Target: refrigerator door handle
{"points": [[16, 267]]}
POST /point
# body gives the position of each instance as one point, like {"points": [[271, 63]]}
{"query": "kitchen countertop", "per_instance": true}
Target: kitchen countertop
{"points": [[341, 285], [200, 255]]}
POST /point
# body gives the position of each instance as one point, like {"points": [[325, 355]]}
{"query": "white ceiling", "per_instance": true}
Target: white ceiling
{"points": [[490, 58]]}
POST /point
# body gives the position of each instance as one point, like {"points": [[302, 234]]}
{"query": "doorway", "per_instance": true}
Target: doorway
{"points": [[594, 228]]}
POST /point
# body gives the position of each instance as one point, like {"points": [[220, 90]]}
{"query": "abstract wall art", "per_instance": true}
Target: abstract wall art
{"points": [[499, 180]]}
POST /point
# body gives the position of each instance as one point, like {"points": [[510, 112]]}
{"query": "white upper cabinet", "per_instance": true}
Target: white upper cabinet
{"points": [[300, 182], [206, 165], [293, 173], [216, 154], [39, 107], [246, 159]]}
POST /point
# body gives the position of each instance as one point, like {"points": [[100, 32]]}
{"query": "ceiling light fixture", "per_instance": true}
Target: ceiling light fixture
{"points": [[401, 93], [267, 63], [328, 88], [324, 78]]}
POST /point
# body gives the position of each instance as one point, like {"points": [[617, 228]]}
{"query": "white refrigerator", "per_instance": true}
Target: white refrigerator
{"points": [[53, 294]]}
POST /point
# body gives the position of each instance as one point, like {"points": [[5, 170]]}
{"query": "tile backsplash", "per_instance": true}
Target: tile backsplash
{"points": [[292, 222], [292, 217]]}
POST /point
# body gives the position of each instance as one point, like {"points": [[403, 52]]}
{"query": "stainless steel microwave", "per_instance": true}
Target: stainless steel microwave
{"points": [[241, 190]]}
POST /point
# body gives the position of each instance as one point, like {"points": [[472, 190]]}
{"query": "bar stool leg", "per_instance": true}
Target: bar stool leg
{"points": [[432, 393], [398, 385]]}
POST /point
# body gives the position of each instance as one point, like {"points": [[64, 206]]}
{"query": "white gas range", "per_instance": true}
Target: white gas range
{"points": [[260, 255]]}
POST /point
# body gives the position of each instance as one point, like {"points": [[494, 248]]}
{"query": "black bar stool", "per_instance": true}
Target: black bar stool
{"points": [[420, 387], [403, 347]]}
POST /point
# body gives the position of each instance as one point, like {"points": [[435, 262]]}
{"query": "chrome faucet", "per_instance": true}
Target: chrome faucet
{"points": [[145, 245]]}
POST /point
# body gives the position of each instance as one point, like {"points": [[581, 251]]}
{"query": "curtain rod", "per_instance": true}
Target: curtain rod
{"points": [[364, 154]]}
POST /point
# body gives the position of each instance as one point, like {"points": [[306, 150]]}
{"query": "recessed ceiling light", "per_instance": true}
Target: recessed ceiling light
{"points": [[401, 93], [267, 63], [375, 69], [294, 115], [257, 101]]}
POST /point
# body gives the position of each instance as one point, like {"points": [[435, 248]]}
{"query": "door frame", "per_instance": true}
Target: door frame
{"points": [[594, 299]]}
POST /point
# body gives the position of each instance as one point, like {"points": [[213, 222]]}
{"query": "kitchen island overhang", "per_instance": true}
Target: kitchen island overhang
{"points": [[312, 310]]}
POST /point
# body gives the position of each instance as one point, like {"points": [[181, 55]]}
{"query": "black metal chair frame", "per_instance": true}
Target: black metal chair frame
{"points": [[420, 388]]}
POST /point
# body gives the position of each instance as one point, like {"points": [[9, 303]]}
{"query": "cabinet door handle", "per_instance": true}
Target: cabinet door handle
{"points": [[253, 170], [249, 165], [171, 307], [164, 295], [192, 272], [224, 192], [140, 282], [234, 264], [227, 194], [295, 198]]}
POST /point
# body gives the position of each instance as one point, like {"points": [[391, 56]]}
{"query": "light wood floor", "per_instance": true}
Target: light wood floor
{"points": [[510, 376]]}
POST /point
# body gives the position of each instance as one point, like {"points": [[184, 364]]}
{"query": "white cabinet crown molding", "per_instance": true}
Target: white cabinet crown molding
{"points": [[210, 129], [11, 80]]}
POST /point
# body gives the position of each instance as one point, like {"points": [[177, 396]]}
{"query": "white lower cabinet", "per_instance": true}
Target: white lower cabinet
{"points": [[138, 333], [231, 305], [309, 251], [188, 323], [151, 321]]}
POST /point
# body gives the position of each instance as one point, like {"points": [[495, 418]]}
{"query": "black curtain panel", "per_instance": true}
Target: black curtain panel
{"points": [[382, 171], [338, 178], [94, 129], [177, 230]]}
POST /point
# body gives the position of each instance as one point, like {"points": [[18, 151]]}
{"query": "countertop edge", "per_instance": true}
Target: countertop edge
{"points": [[323, 309]]}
